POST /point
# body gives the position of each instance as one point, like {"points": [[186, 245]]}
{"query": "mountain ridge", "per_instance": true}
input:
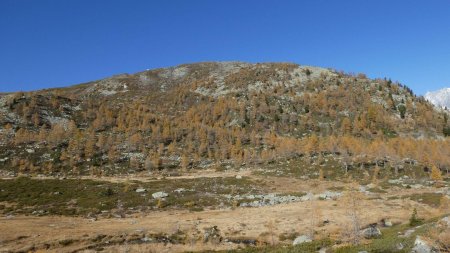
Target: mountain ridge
{"points": [[440, 98], [212, 113]]}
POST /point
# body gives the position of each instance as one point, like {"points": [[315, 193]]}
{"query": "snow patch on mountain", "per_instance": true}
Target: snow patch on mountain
{"points": [[439, 98]]}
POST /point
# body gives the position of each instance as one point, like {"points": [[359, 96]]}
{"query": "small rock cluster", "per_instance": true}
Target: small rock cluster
{"points": [[258, 200], [212, 235]]}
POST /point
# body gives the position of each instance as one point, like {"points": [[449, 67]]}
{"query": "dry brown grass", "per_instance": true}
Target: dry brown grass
{"points": [[237, 222]]}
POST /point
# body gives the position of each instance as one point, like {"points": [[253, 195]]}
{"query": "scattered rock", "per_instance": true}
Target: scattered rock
{"points": [[212, 234], [91, 216], [146, 239], [159, 195], [395, 181], [302, 239], [446, 221], [251, 242], [140, 190], [271, 199], [364, 190], [307, 197], [371, 232], [38, 212], [238, 177], [371, 185], [179, 190], [328, 195], [386, 223], [421, 246], [118, 215], [408, 233], [265, 199]]}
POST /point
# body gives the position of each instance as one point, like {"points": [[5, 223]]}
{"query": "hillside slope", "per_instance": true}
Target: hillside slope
{"points": [[217, 114]]}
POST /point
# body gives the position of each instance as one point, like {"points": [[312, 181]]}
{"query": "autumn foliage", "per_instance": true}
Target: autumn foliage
{"points": [[252, 114]]}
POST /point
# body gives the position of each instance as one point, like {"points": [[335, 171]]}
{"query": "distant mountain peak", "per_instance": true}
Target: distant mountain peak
{"points": [[439, 98]]}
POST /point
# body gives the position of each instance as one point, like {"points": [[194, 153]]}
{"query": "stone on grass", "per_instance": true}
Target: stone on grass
{"points": [[386, 223], [140, 190], [371, 232], [422, 246], [159, 195], [302, 239]]}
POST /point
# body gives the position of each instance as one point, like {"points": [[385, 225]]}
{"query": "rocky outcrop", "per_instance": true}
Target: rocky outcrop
{"points": [[422, 246], [302, 239]]}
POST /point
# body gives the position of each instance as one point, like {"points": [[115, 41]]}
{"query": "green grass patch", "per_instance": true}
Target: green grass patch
{"points": [[77, 197], [431, 199]]}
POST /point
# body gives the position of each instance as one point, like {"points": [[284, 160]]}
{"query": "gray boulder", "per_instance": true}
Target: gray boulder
{"points": [[446, 221], [140, 190], [421, 246], [371, 232], [302, 239]]}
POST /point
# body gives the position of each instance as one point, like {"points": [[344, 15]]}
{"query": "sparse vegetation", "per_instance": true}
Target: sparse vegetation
{"points": [[79, 197], [414, 219]]}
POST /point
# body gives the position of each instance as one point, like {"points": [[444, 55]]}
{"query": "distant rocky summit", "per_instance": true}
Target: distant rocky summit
{"points": [[439, 98]]}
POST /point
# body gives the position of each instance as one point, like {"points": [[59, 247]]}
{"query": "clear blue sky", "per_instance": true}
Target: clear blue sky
{"points": [[62, 42]]}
